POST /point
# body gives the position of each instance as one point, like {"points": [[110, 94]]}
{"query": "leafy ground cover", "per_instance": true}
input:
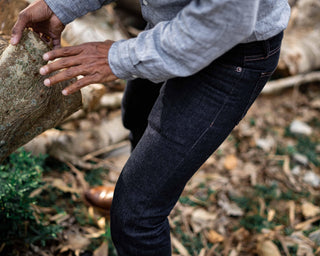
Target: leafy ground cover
{"points": [[257, 195]]}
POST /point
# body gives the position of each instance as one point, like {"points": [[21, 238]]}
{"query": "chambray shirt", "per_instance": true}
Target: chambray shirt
{"points": [[183, 36]]}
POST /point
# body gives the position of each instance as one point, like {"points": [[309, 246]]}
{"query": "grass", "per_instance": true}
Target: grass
{"points": [[20, 175]]}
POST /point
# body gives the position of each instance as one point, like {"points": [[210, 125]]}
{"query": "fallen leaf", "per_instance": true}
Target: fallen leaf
{"points": [[102, 250], [309, 210], [232, 209], [214, 237], [268, 248], [241, 234], [271, 214], [230, 162], [75, 241], [201, 219]]}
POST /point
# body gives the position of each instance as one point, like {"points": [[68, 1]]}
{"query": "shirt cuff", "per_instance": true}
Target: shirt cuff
{"points": [[121, 62], [68, 11], [58, 10]]}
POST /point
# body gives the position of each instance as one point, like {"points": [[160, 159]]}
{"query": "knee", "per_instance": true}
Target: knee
{"points": [[135, 226]]}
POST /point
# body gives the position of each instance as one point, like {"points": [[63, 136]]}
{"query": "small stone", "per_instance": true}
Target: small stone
{"points": [[312, 179], [301, 159], [296, 170], [265, 144], [298, 127]]}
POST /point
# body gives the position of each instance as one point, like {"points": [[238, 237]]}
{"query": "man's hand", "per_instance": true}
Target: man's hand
{"points": [[42, 20], [89, 60]]}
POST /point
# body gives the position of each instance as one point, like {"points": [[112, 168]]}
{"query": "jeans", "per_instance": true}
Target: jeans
{"points": [[175, 127]]}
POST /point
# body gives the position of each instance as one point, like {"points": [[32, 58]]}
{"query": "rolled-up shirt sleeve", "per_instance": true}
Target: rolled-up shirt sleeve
{"points": [[68, 10], [200, 33]]}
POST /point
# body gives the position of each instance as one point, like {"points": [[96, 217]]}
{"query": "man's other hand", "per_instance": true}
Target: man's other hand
{"points": [[42, 20], [89, 60]]}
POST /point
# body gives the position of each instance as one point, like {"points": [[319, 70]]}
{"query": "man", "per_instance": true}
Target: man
{"points": [[192, 75]]}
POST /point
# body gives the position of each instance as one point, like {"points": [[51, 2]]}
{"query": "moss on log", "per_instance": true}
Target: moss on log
{"points": [[27, 107]]}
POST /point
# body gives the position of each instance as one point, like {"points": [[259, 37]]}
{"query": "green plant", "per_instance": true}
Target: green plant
{"points": [[94, 177], [255, 223], [20, 175]]}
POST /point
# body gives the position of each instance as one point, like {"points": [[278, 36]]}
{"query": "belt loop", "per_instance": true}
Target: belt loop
{"points": [[266, 47]]}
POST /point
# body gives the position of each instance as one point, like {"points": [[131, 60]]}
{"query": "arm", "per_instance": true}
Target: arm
{"points": [[200, 33], [68, 10]]}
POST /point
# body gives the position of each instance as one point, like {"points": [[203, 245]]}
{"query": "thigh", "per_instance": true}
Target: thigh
{"points": [[190, 119]]}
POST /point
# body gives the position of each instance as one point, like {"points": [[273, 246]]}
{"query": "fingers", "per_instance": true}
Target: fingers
{"points": [[56, 43], [62, 52], [18, 28], [88, 60], [59, 64], [64, 75], [90, 79]]}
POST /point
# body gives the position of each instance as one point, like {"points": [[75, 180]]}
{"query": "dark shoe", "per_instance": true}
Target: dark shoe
{"points": [[100, 197]]}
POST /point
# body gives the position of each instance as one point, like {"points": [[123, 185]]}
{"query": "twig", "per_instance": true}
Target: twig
{"points": [[302, 225], [79, 176], [284, 246], [104, 150], [181, 249], [279, 84]]}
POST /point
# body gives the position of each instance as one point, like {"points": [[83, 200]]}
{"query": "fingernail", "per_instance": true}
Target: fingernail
{"points": [[14, 41], [47, 82], [65, 92], [43, 70], [45, 56]]}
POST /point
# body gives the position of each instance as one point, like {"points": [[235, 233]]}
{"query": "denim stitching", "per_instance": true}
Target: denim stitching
{"points": [[256, 57]]}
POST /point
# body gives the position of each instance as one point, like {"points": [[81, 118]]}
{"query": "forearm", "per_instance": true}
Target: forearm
{"points": [[67, 11], [200, 33]]}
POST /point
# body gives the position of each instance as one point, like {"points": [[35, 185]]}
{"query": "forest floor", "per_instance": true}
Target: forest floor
{"points": [[258, 194]]}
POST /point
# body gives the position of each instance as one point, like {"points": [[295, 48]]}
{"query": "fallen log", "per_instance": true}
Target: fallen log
{"points": [[72, 145], [301, 43], [27, 107], [100, 25]]}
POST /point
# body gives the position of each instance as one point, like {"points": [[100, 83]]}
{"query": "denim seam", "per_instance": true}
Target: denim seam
{"points": [[256, 57], [253, 93]]}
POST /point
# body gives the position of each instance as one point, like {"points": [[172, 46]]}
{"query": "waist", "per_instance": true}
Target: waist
{"points": [[253, 50]]}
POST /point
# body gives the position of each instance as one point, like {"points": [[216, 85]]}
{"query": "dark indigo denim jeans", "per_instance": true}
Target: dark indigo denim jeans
{"points": [[175, 127]]}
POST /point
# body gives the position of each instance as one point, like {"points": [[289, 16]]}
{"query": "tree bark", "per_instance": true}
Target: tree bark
{"points": [[27, 107]]}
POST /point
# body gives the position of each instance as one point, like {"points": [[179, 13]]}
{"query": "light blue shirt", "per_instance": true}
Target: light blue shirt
{"points": [[184, 36]]}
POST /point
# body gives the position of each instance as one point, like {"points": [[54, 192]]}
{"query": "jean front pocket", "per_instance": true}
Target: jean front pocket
{"points": [[259, 85]]}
